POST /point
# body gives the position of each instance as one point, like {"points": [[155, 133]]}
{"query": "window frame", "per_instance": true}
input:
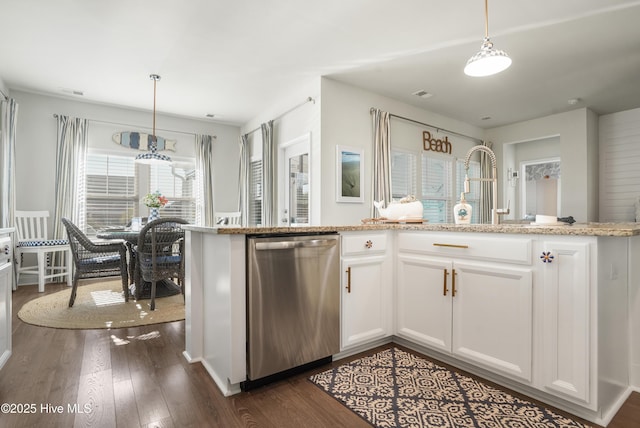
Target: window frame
{"points": [[142, 186]]}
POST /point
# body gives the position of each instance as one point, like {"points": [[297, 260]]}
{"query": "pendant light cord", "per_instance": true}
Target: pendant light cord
{"points": [[486, 19], [155, 79]]}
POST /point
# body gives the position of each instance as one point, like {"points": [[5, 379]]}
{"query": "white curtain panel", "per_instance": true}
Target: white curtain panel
{"points": [[269, 168], [204, 168], [8, 121], [381, 158], [243, 179], [71, 157]]}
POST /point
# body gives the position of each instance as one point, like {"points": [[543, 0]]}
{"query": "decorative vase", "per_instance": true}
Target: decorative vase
{"points": [[154, 214]]}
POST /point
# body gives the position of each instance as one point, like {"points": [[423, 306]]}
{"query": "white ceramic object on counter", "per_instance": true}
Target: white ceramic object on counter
{"points": [[398, 211], [462, 211]]}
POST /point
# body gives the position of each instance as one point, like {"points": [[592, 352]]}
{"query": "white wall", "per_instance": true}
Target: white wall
{"points": [[36, 144], [619, 158], [295, 117], [577, 131], [512, 157], [346, 120]]}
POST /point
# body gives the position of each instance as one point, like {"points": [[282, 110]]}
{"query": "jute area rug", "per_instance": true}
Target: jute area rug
{"points": [[394, 388], [99, 305]]}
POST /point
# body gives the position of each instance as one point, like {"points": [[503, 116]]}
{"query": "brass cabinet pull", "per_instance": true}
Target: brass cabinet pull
{"points": [[444, 284], [348, 279], [453, 283], [435, 244]]}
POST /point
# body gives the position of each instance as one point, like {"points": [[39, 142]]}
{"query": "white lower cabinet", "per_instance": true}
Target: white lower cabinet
{"points": [[543, 314], [367, 288], [566, 342], [479, 312]]}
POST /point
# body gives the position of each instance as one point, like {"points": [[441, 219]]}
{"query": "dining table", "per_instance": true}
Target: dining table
{"points": [[129, 237]]}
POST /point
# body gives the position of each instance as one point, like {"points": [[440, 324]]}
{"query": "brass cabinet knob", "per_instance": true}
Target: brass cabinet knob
{"points": [[369, 243]]}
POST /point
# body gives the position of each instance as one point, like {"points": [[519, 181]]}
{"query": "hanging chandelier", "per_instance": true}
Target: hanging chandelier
{"points": [[488, 60], [152, 156]]}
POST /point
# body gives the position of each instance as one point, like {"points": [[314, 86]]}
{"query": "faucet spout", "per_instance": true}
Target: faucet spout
{"points": [[495, 212]]}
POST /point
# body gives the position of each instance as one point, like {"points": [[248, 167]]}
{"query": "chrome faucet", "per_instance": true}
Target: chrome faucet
{"points": [[495, 211]]}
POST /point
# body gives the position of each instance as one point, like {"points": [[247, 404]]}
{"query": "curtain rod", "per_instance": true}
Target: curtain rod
{"points": [[138, 126], [477, 140], [308, 100], [5, 96]]}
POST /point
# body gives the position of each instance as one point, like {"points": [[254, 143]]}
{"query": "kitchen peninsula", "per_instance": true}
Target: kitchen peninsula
{"points": [[548, 311]]}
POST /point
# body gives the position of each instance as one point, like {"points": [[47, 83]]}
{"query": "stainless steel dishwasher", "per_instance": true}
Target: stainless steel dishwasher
{"points": [[293, 303]]}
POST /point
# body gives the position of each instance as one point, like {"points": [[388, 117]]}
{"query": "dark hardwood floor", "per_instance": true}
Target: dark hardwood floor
{"points": [[137, 377]]}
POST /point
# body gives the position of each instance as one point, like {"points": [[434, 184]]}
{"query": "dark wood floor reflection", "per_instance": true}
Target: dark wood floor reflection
{"points": [[137, 377]]}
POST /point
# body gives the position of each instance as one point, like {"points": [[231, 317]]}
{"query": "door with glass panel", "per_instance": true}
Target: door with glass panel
{"points": [[295, 184]]}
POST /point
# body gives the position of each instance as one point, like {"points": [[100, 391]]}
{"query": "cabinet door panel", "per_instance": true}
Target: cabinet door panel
{"points": [[566, 320], [366, 304], [492, 317], [423, 309]]}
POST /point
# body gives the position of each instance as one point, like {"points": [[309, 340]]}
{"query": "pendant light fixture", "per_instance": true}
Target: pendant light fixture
{"points": [[489, 60], [152, 156]]}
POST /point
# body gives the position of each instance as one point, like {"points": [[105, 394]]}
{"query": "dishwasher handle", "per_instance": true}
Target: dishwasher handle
{"points": [[286, 245]]}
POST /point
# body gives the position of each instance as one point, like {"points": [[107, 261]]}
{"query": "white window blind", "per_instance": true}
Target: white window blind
{"points": [[115, 186], [255, 193], [111, 191], [299, 189], [177, 184], [403, 174], [437, 188]]}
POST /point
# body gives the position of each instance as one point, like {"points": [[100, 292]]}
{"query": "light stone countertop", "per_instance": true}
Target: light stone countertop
{"points": [[577, 229]]}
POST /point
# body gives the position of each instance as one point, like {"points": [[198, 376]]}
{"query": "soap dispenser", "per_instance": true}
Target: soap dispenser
{"points": [[462, 211]]}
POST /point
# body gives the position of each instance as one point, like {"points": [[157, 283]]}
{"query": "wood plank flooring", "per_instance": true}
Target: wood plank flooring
{"points": [[137, 377]]}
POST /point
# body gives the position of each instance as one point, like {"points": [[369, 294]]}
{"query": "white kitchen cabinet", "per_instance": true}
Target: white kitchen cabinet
{"points": [[479, 312], [566, 335], [367, 288], [424, 307]]}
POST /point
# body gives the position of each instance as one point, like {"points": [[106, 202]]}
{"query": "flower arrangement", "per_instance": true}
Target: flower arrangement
{"points": [[155, 200]]}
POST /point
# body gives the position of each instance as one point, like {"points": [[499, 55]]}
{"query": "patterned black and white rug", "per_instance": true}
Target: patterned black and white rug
{"points": [[394, 388]]}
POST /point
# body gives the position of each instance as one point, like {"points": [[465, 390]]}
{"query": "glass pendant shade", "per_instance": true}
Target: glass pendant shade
{"points": [[152, 156], [487, 61]]}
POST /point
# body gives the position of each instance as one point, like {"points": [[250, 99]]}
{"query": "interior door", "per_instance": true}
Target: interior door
{"points": [[295, 184]]}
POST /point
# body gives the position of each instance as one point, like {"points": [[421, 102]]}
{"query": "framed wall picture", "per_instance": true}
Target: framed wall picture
{"points": [[350, 174]]}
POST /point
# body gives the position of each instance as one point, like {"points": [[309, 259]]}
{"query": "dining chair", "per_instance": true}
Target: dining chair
{"points": [[96, 259], [227, 218], [33, 238], [159, 254]]}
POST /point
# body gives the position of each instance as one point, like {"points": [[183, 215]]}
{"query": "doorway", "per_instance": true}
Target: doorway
{"points": [[294, 182], [540, 187]]}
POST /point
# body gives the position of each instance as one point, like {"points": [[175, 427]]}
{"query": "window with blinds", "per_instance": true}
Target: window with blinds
{"points": [[255, 193], [437, 183], [403, 174], [437, 188], [115, 185], [111, 191], [177, 184]]}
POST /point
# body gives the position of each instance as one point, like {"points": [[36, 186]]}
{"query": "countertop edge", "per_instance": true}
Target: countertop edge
{"points": [[587, 229]]}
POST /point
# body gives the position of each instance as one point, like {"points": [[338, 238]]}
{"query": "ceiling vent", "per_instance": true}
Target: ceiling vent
{"points": [[422, 94], [73, 92]]}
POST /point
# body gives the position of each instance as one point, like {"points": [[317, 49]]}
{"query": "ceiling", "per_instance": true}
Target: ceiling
{"points": [[232, 59]]}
